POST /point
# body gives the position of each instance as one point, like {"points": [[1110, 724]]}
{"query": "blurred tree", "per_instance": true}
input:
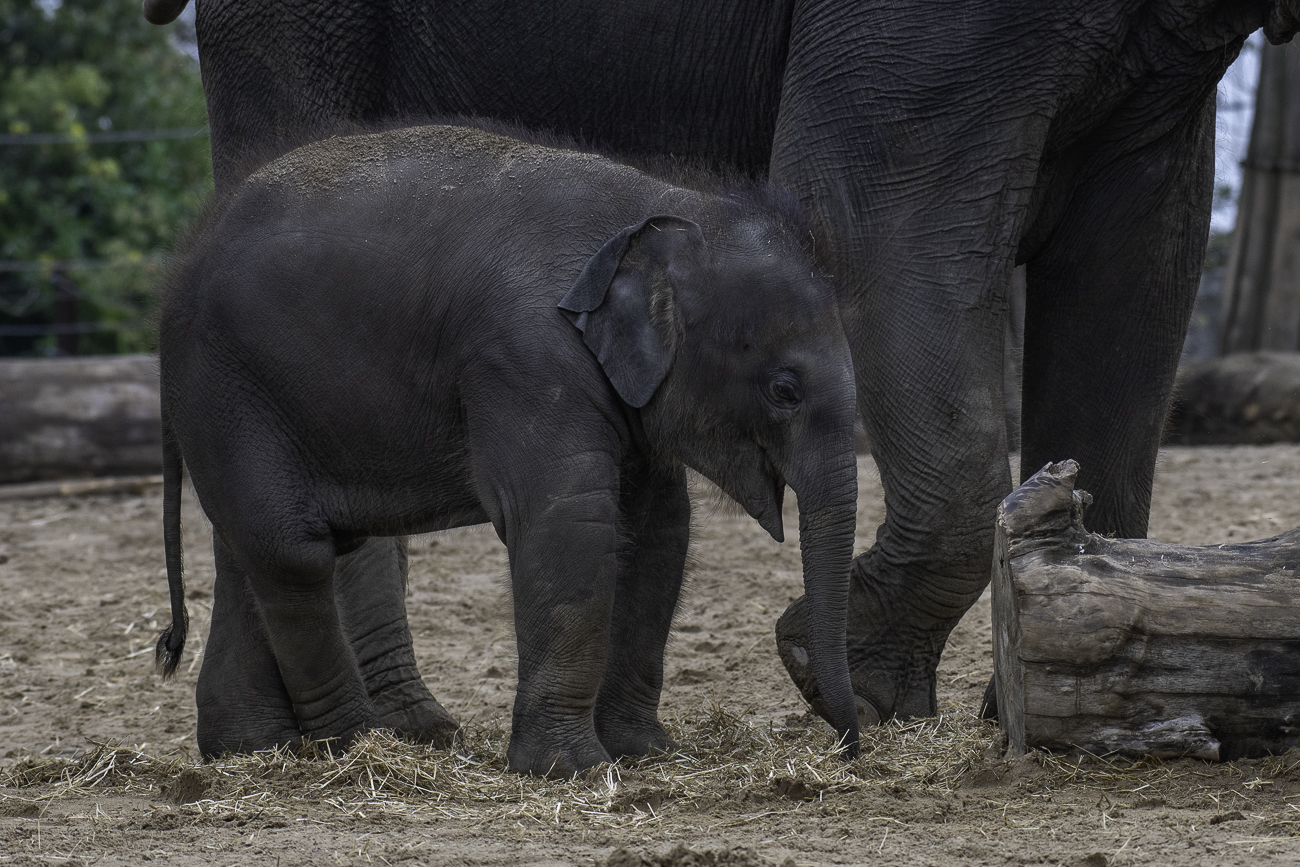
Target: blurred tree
{"points": [[1262, 293], [79, 68]]}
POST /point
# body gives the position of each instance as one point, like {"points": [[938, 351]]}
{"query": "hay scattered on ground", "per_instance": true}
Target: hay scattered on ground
{"points": [[766, 769], [381, 774]]}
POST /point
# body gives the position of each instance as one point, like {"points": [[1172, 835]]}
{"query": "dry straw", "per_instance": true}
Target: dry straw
{"points": [[722, 757]]}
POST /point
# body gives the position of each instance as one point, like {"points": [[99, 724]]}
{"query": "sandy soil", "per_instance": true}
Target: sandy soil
{"points": [[84, 596]]}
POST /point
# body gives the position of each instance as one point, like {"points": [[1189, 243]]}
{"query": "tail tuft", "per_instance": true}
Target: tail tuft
{"points": [[167, 656]]}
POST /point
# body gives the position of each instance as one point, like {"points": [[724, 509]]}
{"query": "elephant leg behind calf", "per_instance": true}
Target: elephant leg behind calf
{"points": [[370, 584]]}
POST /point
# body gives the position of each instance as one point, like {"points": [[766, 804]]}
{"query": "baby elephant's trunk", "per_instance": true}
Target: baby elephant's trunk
{"points": [[827, 487]]}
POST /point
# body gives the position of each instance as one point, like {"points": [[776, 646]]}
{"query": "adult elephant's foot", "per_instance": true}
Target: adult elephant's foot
{"points": [[339, 710], [555, 753], [894, 647], [792, 646], [214, 744], [411, 711]]}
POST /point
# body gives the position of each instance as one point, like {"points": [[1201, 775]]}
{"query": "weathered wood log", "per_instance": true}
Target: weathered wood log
{"points": [[80, 487], [77, 417], [1140, 647], [1250, 397]]}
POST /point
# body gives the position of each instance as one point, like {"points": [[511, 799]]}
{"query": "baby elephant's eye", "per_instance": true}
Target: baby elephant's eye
{"points": [[784, 389]]}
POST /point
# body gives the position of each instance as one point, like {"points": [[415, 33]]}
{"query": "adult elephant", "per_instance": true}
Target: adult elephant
{"points": [[939, 144]]}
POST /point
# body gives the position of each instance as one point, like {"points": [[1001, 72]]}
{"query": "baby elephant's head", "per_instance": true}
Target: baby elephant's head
{"points": [[735, 353]]}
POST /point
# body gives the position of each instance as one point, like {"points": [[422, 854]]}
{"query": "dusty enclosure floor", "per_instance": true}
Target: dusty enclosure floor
{"points": [[84, 595]]}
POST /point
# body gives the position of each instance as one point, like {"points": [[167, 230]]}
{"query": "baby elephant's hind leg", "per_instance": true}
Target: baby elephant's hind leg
{"points": [[242, 702], [371, 587], [291, 573]]}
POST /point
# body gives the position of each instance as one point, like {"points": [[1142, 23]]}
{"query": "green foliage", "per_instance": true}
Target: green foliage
{"points": [[86, 66]]}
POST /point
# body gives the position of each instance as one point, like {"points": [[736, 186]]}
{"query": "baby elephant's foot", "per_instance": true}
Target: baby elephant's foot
{"points": [[549, 754], [415, 715], [624, 738], [218, 738]]}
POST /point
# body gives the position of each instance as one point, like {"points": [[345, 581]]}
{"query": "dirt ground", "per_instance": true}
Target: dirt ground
{"points": [[84, 595]]}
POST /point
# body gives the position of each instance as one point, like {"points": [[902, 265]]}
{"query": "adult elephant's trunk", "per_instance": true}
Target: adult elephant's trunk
{"points": [[826, 483]]}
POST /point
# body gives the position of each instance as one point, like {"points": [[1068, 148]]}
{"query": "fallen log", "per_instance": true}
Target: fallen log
{"points": [[80, 487], [1140, 647], [78, 417], [1251, 397]]}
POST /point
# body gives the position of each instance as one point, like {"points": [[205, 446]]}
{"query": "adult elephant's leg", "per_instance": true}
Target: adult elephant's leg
{"points": [[922, 191], [370, 584], [242, 702], [938, 434], [1108, 304], [655, 514]]}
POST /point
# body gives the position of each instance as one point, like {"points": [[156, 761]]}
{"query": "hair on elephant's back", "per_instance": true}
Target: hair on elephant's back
{"points": [[344, 159]]}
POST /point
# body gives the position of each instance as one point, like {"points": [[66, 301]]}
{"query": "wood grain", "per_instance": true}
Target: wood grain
{"points": [[1140, 647]]}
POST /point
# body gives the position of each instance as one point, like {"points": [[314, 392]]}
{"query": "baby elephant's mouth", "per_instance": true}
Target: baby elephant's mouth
{"points": [[767, 509]]}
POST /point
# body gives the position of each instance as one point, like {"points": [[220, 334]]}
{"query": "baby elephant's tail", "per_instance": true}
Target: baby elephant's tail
{"points": [[172, 641]]}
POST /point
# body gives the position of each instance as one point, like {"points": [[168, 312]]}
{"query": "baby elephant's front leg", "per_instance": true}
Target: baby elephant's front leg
{"points": [[563, 562], [655, 520]]}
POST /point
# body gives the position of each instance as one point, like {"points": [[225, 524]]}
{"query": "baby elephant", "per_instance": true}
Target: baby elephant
{"points": [[439, 326]]}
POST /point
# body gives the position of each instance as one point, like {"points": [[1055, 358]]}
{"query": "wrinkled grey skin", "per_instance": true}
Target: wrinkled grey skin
{"points": [[439, 326], [938, 143]]}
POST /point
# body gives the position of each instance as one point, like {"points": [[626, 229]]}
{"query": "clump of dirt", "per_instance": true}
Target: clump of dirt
{"points": [[680, 856], [188, 786], [18, 808]]}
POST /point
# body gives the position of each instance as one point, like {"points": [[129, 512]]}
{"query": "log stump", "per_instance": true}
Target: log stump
{"points": [[77, 417], [1140, 647]]}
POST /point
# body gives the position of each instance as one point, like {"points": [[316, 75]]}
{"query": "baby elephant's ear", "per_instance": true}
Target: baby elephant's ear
{"points": [[623, 302]]}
